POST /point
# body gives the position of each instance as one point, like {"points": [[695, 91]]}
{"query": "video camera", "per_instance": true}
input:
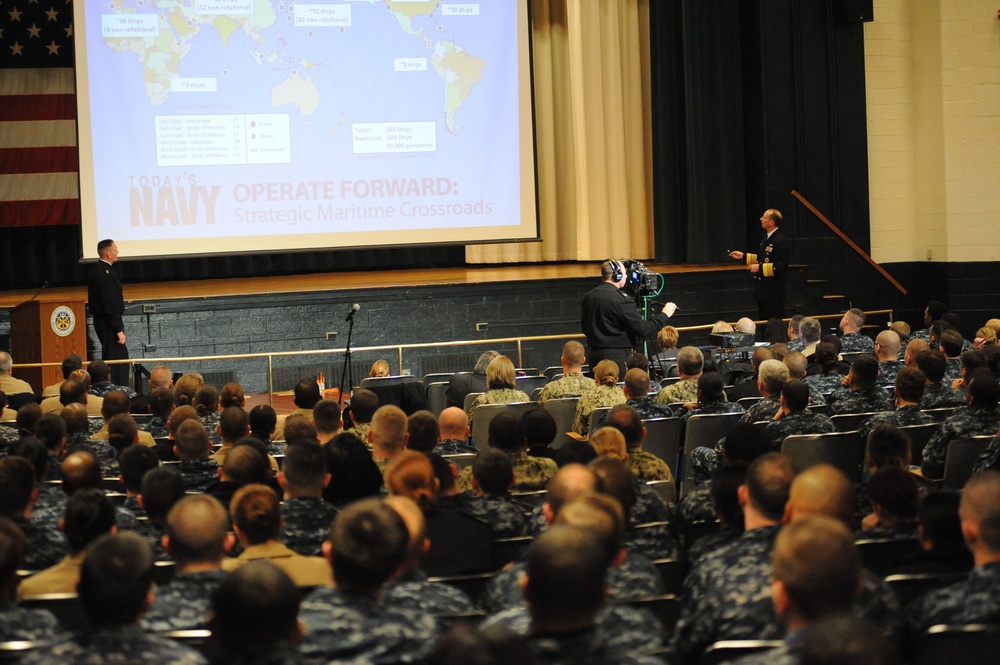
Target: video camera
{"points": [[640, 282]]}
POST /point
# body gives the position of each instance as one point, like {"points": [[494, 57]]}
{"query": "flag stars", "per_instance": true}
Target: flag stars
{"points": [[14, 15], [52, 14], [34, 30], [69, 30], [53, 48], [16, 49]]}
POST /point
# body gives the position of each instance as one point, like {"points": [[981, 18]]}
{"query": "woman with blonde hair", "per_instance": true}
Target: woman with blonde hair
{"points": [[380, 368], [607, 393], [501, 386], [186, 387], [986, 339]]}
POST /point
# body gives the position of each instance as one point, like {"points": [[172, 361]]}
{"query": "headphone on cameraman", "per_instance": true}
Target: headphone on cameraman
{"points": [[618, 268]]}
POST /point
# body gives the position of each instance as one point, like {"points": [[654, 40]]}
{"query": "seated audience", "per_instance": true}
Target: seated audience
{"points": [[981, 417], [501, 384], [353, 473], [306, 517], [18, 623], [895, 499], [861, 393], [605, 394], [453, 434], [794, 416], [690, 363], [506, 433], [572, 383]]}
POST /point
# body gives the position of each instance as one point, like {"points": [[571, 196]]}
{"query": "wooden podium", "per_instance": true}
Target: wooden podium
{"points": [[47, 331]]}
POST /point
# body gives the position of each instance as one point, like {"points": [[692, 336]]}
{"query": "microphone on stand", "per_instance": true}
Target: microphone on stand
{"points": [[354, 310]]}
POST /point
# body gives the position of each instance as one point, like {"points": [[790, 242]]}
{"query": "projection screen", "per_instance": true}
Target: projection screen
{"points": [[218, 126]]}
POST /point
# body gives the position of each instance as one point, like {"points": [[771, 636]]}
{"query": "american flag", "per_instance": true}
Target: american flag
{"points": [[38, 153]]}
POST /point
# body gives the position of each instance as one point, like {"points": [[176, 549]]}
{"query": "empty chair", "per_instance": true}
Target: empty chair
{"points": [[960, 457], [530, 383], [703, 431], [663, 439], [595, 417], [437, 399], [485, 413], [469, 400], [404, 391], [563, 410], [973, 643], [841, 449], [436, 377], [880, 555], [550, 372]]}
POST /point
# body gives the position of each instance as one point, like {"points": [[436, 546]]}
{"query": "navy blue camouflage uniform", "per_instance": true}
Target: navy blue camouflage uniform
{"points": [[183, 603], [306, 524], [963, 424]]}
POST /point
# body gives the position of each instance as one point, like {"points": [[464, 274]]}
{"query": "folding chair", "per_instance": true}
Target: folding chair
{"points": [[960, 457], [703, 431], [563, 410], [971, 643], [841, 449]]}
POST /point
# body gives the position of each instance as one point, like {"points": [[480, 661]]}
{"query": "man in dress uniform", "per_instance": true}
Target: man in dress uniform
{"points": [[768, 267], [104, 293]]}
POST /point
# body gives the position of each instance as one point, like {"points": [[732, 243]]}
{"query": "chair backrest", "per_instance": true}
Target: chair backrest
{"points": [[666, 608], [486, 412], [507, 550], [563, 410], [663, 439], [960, 457], [530, 383], [941, 413], [727, 650], [880, 555], [973, 643], [702, 431], [471, 585], [912, 586], [536, 393], [436, 377], [66, 607], [164, 450], [469, 399], [15, 650], [849, 422], [526, 371], [461, 460], [437, 398], [595, 417], [672, 573], [841, 449], [819, 408], [470, 618], [919, 436], [198, 639], [747, 402], [665, 489], [163, 572]]}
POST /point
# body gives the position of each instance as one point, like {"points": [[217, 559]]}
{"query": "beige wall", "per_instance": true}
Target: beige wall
{"points": [[933, 90]]}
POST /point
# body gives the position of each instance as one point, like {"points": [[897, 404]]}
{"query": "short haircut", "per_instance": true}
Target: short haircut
{"points": [[389, 427], [33, 450], [233, 423], [500, 373], [70, 364], [161, 488], [298, 427], [254, 607], [573, 353], [600, 514], [842, 638], [796, 362], [668, 337], [973, 360], [896, 491], [566, 569], [364, 403], [262, 420], [773, 374], [888, 446], [951, 343], [326, 415], [76, 419], [17, 480], [810, 330], [411, 474], [690, 360], [711, 387], [636, 361], [889, 340], [27, 416], [369, 544], [769, 479], [932, 363], [627, 420], [424, 431], [307, 393], [80, 470], [819, 566], [506, 432], [796, 395], [902, 329], [13, 545], [89, 514], [305, 466], [910, 382], [983, 389], [179, 416], [232, 395], [637, 383], [115, 402], [493, 471], [161, 402], [256, 513], [981, 503], [865, 370], [51, 430], [245, 464], [574, 452], [609, 442], [192, 440], [104, 245], [197, 526], [855, 316], [134, 462], [122, 431], [98, 370], [539, 426], [940, 523], [570, 481], [615, 480], [606, 373], [115, 579]]}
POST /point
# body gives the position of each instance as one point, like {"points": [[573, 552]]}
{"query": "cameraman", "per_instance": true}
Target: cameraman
{"points": [[611, 321]]}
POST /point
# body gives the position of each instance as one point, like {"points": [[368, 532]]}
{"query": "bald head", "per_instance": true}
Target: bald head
{"points": [[196, 530], [454, 424], [888, 345], [796, 364], [821, 490], [913, 349], [76, 418], [160, 377], [568, 483]]}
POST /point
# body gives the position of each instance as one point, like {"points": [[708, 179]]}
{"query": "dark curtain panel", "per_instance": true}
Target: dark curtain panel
{"points": [[698, 155]]}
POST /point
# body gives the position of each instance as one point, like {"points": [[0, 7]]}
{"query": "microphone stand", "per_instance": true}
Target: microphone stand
{"points": [[346, 372]]}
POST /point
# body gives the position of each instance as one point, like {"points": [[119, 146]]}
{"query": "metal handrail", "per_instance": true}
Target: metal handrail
{"points": [[399, 348]]}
